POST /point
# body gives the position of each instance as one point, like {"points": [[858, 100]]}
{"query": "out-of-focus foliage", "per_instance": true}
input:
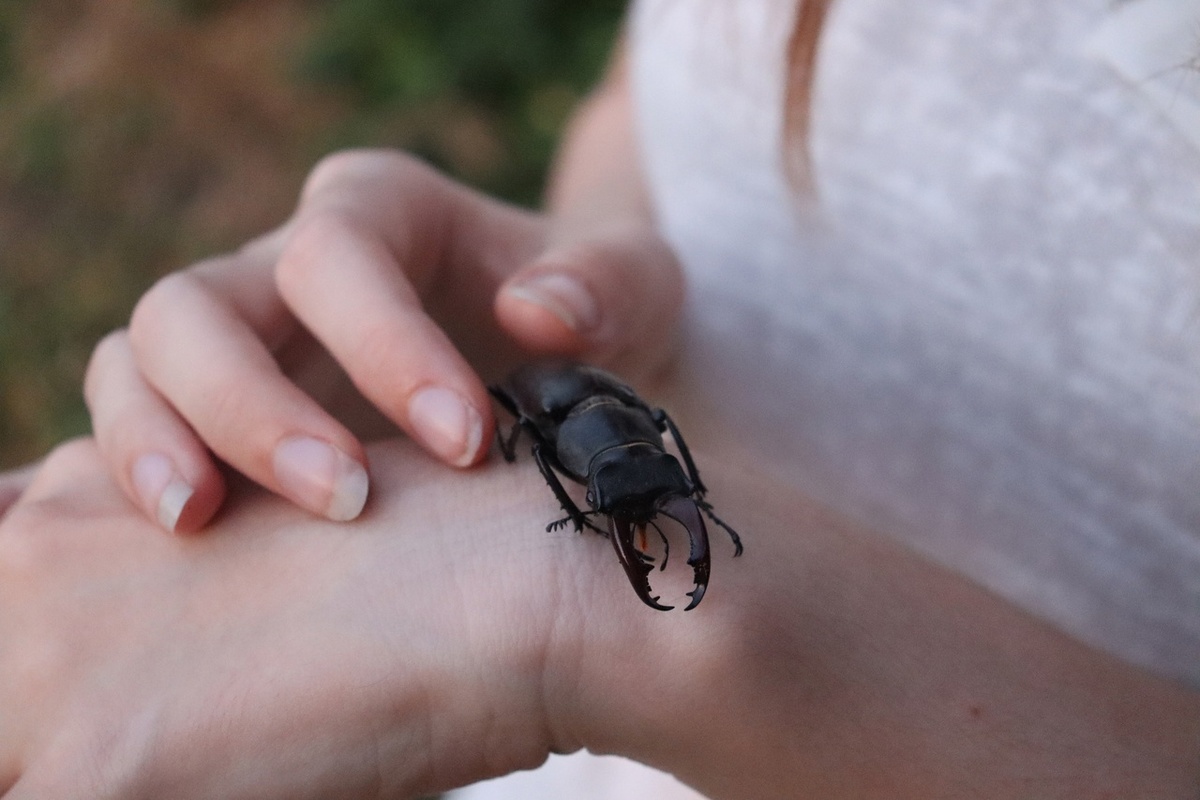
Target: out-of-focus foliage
{"points": [[139, 135], [490, 87]]}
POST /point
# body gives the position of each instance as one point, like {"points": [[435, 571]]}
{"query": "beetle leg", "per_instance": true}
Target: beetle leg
{"points": [[706, 507], [665, 423], [558, 523], [568, 505], [507, 446], [684, 510], [636, 564], [503, 399]]}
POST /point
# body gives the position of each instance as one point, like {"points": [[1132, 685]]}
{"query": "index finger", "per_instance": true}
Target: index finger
{"points": [[377, 235]]}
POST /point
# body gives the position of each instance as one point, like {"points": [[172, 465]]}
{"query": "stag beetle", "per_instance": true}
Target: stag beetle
{"points": [[594, 429]]}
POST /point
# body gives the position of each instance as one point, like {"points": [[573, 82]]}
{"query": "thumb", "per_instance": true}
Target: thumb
{"points": [[614, 300]]}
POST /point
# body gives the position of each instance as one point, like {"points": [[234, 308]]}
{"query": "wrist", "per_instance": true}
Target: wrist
{"points": [[684, 691], [524, 605], [832, 662], [560, 653]]}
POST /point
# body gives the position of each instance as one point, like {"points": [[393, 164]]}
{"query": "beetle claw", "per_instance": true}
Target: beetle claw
{"points": [[685, 511], [637, 564]]}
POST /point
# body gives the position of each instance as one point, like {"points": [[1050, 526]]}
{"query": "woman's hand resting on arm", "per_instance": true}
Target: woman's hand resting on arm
{"points": [[445, 637], [419, 288]]}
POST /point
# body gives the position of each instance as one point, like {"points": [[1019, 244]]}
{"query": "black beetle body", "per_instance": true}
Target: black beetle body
{"points": [[592, 428]]}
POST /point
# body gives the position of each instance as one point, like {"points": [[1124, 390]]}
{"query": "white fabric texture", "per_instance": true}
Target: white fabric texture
{"points": [[983, 337], [582, 776]]}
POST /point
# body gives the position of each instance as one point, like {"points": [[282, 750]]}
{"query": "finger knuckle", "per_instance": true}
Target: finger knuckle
{"points": [[313, 235], [31, 545], [231, 420], [18, 548], [350, 166], [333, 168], [159, 305], [70, 457], [588, 259], [376, 351], [214, 269], [104, 355]]}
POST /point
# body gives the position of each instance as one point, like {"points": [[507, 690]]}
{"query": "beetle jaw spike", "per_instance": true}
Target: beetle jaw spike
{"points": [[638, 565], [635, 562]]}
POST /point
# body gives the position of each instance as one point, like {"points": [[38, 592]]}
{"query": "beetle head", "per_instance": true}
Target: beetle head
{"points": [[638, 565], [629, 481]]}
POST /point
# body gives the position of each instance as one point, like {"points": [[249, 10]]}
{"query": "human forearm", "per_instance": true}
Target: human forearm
{"points": [[830, 662], [597, 173], [447, 637], [612, 277], [278, 655]]}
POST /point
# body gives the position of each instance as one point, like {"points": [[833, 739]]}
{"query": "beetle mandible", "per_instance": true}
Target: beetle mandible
{"points": [[589, 426]]}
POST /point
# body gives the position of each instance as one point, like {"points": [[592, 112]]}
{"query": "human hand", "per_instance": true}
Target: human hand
{"points": [[419, 288], [431, 643], [446, 637]]}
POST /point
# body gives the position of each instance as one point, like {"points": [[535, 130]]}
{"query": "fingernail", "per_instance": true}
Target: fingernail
{"points": [[447, 424], [161, 488], [319, 476], [564, 296]]}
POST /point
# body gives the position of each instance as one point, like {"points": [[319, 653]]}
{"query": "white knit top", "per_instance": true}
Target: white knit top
{"points": [[984, 336]]}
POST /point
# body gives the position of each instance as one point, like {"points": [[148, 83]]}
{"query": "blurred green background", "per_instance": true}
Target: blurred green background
{"points": [[139, 135]]}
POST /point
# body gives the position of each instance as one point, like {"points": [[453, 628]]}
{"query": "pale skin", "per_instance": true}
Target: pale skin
{"points": [[408, 280], [444, 636]]}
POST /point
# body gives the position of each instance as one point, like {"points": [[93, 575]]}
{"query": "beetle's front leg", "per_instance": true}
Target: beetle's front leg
{"points": [[664, 422], [507, 445], [568, 505]]}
